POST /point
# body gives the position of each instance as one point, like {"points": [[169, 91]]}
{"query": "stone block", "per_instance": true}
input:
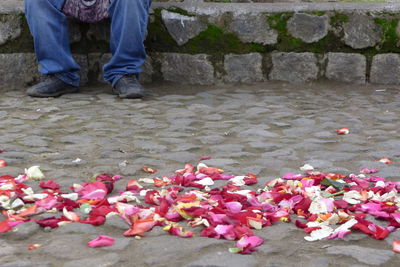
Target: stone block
{"points": [[147, 71], [294, 67], [189, 69], [82, 61], [182, 28], [18, 70], [361, 31], [385, 69], [94, 66], [250, 28], [346, 67], [10, 28], [308, 28], [99, 31], [74, 31], [243, 68]]}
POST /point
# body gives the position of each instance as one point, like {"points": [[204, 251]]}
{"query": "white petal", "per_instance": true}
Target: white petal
{"points": [[380, 184], [346, 226], [307, 167], [201, 165], [39, 196], [319, 234], [71, 196], [17, 203], [206, 181], [238, 180], [34, 173]]}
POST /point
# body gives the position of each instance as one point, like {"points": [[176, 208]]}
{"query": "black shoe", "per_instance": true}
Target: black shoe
{"points": [[129, 87], [51, 87]]}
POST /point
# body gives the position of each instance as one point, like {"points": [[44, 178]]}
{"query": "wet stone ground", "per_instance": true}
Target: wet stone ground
{"points": [[268, 129]]}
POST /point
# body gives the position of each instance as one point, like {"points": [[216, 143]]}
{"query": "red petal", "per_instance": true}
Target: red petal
{"points": [[94, 220], [50, 184], [4, 227], [341, 204], [51, 222], [140, 226], [149, 169], [308, 230], [343, 131], [396, 246], [2, 163], [299, 224]]}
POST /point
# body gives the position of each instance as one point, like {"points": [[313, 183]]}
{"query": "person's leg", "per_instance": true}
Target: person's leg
{"points": [[49, 28], [129, 20]]}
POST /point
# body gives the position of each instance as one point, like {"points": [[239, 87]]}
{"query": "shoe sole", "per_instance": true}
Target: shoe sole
{"points": [[131, 96], [58, 94], [128, 96]]}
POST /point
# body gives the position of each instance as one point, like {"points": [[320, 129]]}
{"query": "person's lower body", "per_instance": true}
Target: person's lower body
{"points": [[49, 28]]}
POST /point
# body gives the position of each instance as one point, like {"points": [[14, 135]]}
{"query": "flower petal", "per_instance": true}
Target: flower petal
{"points": [[396, 246], [101, 241], [34, 173]]}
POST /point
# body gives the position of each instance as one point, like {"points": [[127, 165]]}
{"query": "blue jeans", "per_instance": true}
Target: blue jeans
{"points": [[49, 29]]}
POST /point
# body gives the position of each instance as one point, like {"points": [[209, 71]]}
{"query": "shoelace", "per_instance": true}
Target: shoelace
{"points": [[49, 78], [131, 78]]}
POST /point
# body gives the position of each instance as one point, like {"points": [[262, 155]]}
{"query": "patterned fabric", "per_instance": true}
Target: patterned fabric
{"points": [[90, 11]]}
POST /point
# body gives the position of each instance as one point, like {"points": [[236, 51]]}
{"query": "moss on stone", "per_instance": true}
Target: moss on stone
{"points": [[278, 21], [217, 42], [213, 40], [389, 36], [288, 43], [338, 19], [158, 38], [317, 13], [181, 11]]}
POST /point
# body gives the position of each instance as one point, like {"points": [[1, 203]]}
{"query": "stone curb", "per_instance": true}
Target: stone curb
{"points": [[19, 69], [194, 42]]}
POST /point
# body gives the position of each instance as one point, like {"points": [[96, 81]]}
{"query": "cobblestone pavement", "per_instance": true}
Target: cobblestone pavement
{"points": [[267, 129]]}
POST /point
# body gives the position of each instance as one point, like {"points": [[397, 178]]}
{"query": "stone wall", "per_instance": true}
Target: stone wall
{"points": [[198, 42]]}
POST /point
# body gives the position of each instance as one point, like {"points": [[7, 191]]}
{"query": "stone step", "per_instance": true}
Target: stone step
{"points": [[199, 42]]}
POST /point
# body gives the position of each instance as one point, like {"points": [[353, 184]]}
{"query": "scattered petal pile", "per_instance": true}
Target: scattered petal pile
{"points": [[324, 205]]}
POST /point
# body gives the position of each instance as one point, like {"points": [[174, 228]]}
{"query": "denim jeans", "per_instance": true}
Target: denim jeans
{"points": [[49, 28]]}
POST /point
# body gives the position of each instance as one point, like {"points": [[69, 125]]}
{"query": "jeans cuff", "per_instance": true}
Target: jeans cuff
{"points": [[116, 79], [63, 77]]}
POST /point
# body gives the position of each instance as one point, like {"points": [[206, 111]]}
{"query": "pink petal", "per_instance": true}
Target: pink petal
{"points": [[48, 202], [292, 176], [15, 223], [101, 241], [369, 171], [248, 243], [95, 191], [396, 216], [329, 203], [217, 218], [226, 231], [339, 234], [234, 206], [307, 183]]}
